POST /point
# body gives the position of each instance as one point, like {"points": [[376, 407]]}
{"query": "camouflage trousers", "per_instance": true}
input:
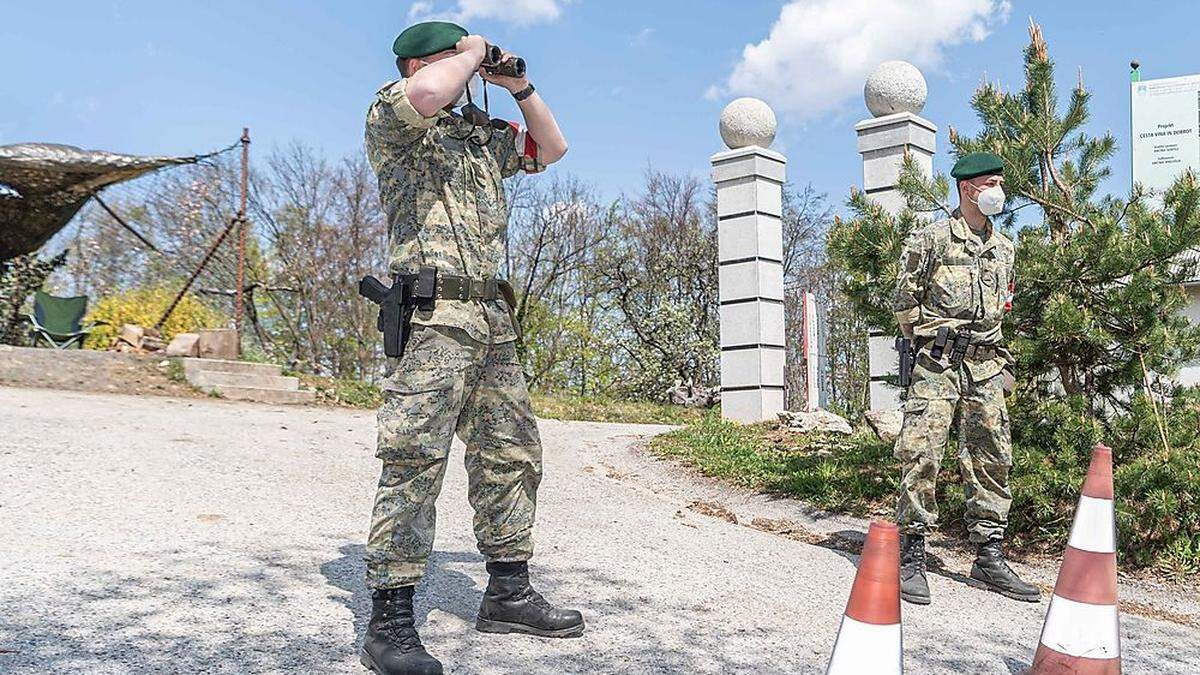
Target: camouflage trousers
{"points": [[447, 383], [937, 395]]}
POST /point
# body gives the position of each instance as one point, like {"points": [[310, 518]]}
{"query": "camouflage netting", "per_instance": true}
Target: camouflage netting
{"points": [[19, 278], [43, 185]]}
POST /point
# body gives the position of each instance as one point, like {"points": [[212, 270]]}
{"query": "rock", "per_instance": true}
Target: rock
{"points": [[894, 87], [885, 423], [693, 396], [747, 121], [821, 421], [184, 344], [218, 343]]}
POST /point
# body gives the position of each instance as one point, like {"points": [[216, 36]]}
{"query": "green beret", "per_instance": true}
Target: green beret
{"points": [[428, 37], [975, 164]]}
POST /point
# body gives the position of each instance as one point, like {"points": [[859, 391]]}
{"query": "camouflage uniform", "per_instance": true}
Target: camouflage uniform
{"points": [[951, 277], [445, 205]]}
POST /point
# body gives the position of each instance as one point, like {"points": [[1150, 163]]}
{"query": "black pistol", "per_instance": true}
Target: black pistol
{"points": [[390, 321]]}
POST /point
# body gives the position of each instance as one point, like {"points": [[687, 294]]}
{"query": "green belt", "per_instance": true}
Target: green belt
{"points": [[464, 289], [975, 352]]}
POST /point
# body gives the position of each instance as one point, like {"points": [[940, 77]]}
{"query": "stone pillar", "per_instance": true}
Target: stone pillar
{"points": [[749, 179], [895, 95]]}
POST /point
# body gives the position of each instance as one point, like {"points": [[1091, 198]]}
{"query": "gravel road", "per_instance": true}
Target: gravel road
{"points": [[190, 535]]}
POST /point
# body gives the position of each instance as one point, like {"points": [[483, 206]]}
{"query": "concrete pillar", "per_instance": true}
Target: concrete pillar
{"points": [[749, 180], [895, 94]]}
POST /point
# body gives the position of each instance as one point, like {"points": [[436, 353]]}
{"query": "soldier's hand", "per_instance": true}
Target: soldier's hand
{"points": [[512, 84], [473, 44]]}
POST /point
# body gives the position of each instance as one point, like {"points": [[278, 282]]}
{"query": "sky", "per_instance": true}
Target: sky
{"points": [[634, 84]]}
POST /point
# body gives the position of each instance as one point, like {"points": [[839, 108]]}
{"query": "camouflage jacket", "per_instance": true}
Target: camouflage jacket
{"points": [[445, 204], [951, 277]]}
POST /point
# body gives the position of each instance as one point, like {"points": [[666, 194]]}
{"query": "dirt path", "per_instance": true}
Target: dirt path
{"points": [[191, 535]]}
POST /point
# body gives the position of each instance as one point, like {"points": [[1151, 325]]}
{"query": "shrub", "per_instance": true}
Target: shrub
{"points": [[1157, 489], [143, 307]]}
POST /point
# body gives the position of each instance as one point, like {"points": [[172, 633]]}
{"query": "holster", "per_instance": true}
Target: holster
{"points": [[410, 292]]}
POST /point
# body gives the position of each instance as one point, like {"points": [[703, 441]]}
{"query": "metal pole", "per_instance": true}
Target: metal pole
{"points": [[122, 222], [241, 219], [192, 279]]}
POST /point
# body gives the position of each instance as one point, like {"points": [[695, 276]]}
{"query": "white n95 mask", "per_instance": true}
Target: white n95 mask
{"points": [[990, 200]]}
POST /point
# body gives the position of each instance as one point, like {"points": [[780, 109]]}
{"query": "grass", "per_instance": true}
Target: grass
{"points": [[175, 370], [359, 394], [854, 474], [592, 409], [342, 392]]}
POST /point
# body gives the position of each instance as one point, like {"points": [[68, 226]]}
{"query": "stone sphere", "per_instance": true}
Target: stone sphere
{"points": [[894, 87], [747, 121]]}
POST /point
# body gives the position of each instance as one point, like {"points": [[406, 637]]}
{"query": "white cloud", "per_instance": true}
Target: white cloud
{"points": [[521, 12], [819, 52]]}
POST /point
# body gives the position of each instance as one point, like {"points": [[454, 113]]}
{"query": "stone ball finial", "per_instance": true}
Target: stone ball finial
{"points": [[747, 121], [894, 87]]}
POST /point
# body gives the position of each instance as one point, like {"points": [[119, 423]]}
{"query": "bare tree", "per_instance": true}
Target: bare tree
{"points": [[556, 233]]}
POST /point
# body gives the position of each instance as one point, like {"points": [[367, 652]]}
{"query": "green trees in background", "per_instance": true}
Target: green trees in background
{"points": [[1096, 324], [615, 299]]}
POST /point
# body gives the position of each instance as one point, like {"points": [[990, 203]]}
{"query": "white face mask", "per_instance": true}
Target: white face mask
{"points": [[990, 200]]}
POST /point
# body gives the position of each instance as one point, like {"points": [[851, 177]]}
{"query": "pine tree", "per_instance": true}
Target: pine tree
{"points": [[1098, 280]]}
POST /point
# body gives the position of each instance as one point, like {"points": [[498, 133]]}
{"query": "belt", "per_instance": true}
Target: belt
{"points": [[980, 352], [463, 289]]}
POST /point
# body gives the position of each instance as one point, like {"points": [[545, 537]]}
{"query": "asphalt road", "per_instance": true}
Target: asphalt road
{"points": [[168, 535]]}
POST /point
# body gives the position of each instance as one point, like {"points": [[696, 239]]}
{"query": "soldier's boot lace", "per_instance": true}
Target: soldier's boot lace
{"points": [[914, 586], [510, 605], [391, 645], [993, 573]]}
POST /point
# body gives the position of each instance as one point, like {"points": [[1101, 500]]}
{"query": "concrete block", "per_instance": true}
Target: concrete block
{"points": [[296, 397], [745, 195], [750, 279], [197, 365], [882, 355], [218, 343], [213, 378], [898, 129], [752, 405], [766, 164], [748, 161], [884, 396], [881, 168], [750, 236], [890, 199], [752, 323], [184, 344], [745, 367]]}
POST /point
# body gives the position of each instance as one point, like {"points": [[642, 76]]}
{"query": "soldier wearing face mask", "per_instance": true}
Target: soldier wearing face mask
{"points": [[954, 286]]}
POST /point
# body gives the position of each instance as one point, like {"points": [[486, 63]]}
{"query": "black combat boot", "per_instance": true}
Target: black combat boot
{"points": [[914, 587], [994, 574], [510, 605], [392, 646]]}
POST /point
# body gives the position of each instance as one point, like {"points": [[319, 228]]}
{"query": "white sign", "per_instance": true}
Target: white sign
{"points": [[1166, 130]]}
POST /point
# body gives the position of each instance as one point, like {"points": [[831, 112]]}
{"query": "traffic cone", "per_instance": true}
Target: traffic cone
{"points": [[1082, 633], [869, 639]]}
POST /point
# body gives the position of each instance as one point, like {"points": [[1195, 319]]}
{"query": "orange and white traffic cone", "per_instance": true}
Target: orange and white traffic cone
{"points": [[869, 640], [1082, 632]]}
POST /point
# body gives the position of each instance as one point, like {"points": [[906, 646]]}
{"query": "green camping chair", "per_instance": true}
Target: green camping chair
{"points": [[57, 320]]}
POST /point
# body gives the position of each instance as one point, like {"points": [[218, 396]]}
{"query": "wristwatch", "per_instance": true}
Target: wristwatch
{"points": [[524, 93]]}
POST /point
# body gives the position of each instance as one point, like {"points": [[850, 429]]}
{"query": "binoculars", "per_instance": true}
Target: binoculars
{"points": [[495, 63]]}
